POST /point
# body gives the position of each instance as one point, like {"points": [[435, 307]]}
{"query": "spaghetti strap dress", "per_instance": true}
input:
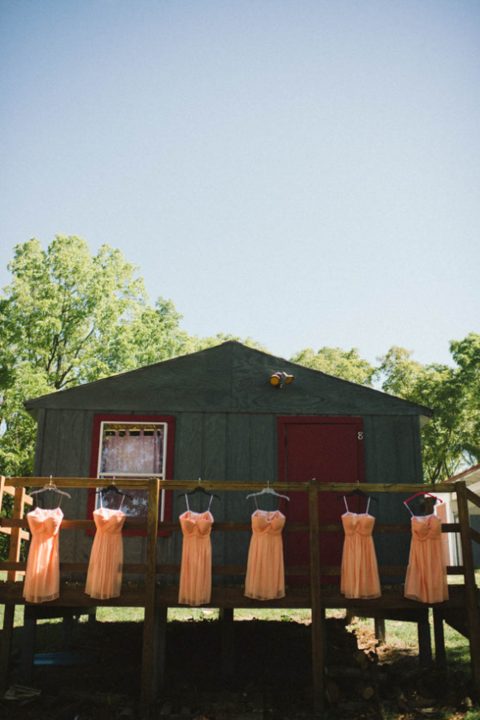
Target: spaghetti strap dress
{"points": [[105, 567], [42, 575], [359, 569], [195, 586], [426, 577], [265, 576]]}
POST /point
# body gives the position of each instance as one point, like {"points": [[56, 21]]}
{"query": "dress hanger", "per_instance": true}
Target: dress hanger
{"points": [[268, 491], [200, 489], [50, 486], [359, 493], [421, 492], [112, 488]]}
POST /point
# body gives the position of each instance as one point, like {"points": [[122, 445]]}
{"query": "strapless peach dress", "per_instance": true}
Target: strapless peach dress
{"points": [[265, 577], [426, 577], [359, 570], [42, 576], [195, 586], [105, 568]]}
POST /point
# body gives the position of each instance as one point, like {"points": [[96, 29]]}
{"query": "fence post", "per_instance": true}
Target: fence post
{"points": [[150, 639], [318, 625], [16, 534], [471, 592]]}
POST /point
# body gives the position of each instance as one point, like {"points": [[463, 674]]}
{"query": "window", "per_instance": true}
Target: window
{"points": [[133, 447]]}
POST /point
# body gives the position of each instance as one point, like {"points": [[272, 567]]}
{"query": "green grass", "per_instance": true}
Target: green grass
{"points": [[110, 614], [404, 634]]}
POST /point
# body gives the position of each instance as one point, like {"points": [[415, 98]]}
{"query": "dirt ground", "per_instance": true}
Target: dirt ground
{"points": [[270, 678]]}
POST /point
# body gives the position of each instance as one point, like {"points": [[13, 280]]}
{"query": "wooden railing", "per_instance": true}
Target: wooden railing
{"points": [[148, 674], [150, 597], [467, 535], [20, 500]]}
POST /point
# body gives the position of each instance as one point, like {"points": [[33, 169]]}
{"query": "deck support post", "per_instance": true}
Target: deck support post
{"points": [[379, 625], [150, 623], [228, 642], [7, 635], [439, 635], [471, 592], [424, 639], [161, 623], [318, 615]]}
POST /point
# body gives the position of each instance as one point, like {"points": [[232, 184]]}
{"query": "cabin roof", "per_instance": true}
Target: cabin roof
{"points": [[229, 377], [471, 474]]}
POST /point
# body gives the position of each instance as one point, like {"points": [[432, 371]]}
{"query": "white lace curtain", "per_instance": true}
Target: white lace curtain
{"points": [[131, 452]]}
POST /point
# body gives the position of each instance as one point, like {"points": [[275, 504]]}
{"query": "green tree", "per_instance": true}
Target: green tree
{"points": [[70, 317], [451, 439], [344, 364], [466, 354], [198, 343]]}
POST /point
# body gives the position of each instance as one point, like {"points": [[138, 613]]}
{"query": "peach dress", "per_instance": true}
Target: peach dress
{"points": [[42, 576], [265, 577], [196, 566], [359, 570], [426, 577], [104, 576]]}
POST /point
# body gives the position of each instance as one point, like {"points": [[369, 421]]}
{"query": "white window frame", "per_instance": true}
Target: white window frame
{"points": [[139, 424]]}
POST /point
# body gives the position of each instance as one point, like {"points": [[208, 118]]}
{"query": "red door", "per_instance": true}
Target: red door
{"points": [[329, 449]]}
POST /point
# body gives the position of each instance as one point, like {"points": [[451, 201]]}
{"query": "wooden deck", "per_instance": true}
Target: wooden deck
{"points": [[133, 595], [158, 590]]}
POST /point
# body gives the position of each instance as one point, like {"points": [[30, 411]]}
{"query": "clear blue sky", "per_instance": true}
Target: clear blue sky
{"points": [[306, 173]]}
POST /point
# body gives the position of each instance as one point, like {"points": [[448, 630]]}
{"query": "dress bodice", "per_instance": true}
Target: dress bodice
{"points": [[195, 524], [109, 521], [358, 523], [42, 521], [265, 522], [426, 527]]}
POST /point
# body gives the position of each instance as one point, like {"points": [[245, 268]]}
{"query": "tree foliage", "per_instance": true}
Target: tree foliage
{"points": [[345, 364], [70, 317], [451, 439]]}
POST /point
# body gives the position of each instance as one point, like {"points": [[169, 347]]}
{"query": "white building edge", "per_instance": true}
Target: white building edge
{"points": [[448, 512]]}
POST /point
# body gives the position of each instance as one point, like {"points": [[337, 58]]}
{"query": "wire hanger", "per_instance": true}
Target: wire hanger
{"points": [[200, 489], [421, 492], [50, 486], [112, 488], [360, 493], [268, 491]]}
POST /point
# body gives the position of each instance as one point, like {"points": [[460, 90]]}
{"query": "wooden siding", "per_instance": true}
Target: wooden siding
{"points": [[232, 447], [393, 455]]}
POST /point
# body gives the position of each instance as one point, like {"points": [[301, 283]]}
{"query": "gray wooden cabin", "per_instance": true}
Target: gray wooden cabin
{"points": [[231, 424]]}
